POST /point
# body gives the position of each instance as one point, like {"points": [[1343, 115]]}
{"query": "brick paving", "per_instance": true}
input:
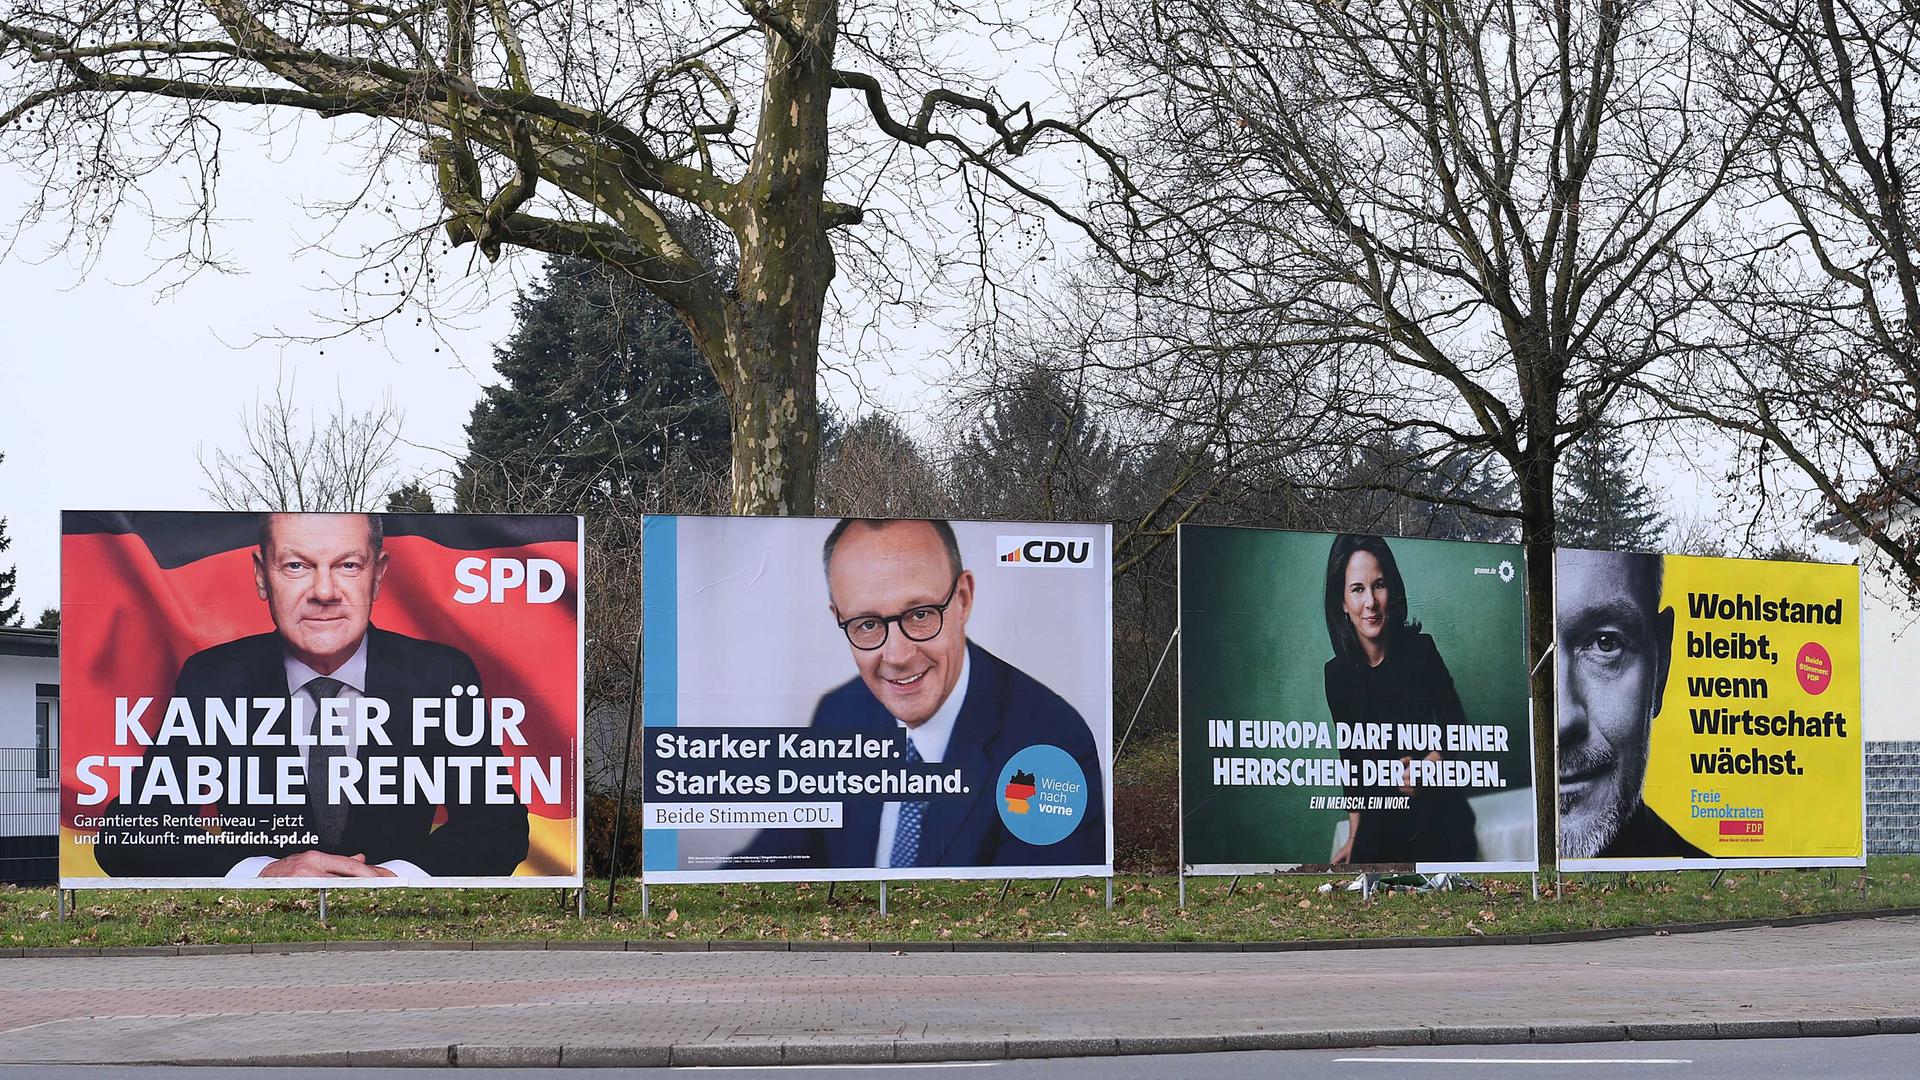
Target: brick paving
{"points": [[249, 1007]]}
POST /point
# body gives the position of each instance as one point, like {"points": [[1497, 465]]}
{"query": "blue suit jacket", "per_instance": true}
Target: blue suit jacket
{"points": [[1005, 711]]}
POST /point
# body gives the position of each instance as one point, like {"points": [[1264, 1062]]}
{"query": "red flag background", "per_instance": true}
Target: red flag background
{"points": [[141, 592]]}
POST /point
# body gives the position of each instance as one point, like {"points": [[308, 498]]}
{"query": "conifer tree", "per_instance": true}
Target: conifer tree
{"points": [[1605, 503], [9, 579]]}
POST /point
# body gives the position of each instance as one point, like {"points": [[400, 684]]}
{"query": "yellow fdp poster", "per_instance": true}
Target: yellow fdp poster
{"points": [[1708, 712]]}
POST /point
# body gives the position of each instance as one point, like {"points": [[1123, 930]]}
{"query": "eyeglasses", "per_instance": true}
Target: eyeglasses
{"points": [[869, 632]]}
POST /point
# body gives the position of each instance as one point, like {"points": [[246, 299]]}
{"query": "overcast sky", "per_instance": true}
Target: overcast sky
{"points": [[112, 384]]}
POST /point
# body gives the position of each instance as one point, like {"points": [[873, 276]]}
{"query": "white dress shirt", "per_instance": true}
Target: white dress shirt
{"points": [[352, 677], [930, 742]]}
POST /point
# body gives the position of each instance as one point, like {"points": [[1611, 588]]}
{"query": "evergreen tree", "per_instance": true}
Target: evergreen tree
{"points": [[1038, 453], [1604, 503], [9, 579], [49, 619], [1394, 484], [603, 400], [411, 497]]}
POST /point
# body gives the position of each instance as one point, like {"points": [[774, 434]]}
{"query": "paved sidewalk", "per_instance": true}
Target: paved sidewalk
{"points": [[532, 1007]]}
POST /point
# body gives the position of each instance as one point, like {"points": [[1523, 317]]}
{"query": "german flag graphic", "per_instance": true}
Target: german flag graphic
{"points": [[1019, 790]]}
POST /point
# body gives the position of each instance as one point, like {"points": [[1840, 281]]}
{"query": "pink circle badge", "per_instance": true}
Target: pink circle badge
{"points": [[1814, 667]]}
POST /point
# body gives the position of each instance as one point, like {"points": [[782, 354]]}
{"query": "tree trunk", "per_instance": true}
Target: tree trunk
{"points": [[1537, 524], [772, 341]]}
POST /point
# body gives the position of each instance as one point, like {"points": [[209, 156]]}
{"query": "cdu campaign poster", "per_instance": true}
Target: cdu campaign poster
{"points": [[1708, 712], [256, 700], [1352, 700], [876, 699]]}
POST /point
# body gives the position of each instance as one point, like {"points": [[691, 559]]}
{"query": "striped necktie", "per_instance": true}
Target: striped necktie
{"points": [[906, 834]]}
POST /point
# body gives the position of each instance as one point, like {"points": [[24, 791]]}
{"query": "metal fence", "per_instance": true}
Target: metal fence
{"points": [[1893, 798], [29, 815]]}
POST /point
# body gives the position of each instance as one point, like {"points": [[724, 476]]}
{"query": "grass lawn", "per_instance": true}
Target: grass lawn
{"points": [[1145, 909]]}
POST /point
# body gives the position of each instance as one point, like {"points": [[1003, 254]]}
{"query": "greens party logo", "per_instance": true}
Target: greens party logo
{"points": [[1044, 795]]}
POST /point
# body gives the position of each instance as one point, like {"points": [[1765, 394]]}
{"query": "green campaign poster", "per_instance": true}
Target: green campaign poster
{"points": [[1352, 700]]}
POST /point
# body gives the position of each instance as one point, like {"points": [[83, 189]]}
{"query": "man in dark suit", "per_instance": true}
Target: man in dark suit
{"points": [[1615, 645], [320, 575], [901, 595]]}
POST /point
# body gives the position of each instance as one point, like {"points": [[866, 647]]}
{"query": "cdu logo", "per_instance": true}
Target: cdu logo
{"points": [[1044, 551]]}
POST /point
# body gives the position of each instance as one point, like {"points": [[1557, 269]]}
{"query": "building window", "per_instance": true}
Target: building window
{"points": [[46, 734]]}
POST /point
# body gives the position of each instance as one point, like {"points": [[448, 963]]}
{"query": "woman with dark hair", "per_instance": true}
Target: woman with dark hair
{"points": [[1385, 671]]}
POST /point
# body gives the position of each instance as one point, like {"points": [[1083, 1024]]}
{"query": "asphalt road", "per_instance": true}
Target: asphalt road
{"points": [[1877, 1057]]}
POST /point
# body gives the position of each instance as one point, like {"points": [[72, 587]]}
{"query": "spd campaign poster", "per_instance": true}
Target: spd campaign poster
{"points": [[1707, 712], [876, 699], [1352, 700], [335, 700]]}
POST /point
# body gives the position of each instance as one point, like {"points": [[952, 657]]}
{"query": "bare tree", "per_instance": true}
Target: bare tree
{"points": [[875, 468], [290, 459], [639, 136], [1814, 364], [1479, 205]]}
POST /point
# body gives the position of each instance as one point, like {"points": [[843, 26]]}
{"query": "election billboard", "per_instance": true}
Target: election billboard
{"points": [[876, 699], [1352, 700], [1707, 712], [297, 700]]}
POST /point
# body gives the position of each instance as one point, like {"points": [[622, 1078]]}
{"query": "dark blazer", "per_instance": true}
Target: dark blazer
{"points": [[477, 839], [1645, 835], [1005, 711], [1411, 686]]}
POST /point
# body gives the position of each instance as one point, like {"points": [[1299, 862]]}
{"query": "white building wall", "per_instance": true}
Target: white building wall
{"points": [[1890, 652], [28, 806]]}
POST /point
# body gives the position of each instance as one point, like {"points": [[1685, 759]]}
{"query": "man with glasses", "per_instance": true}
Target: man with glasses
{"points": [[901, 597]]}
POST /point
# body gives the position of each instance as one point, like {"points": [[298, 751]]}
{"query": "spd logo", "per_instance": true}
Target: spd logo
{"points": [[1044, 551]]}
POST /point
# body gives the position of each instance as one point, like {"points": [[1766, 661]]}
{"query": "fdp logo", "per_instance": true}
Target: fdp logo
{"points": [[1044, 551]]}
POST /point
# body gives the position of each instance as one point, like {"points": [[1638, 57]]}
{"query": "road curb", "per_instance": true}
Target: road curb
{"points": [[876, 1051], [1558, 937]]}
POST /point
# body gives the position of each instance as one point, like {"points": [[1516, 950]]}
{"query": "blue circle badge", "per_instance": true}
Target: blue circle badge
{"points": [[1042, 794]]}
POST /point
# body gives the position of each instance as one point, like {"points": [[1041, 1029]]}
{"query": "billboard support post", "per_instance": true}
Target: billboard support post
{"points": [[60, 904], [1146, 693], [883, 899], [626, 767], [1109, 894], [643, 898], [323, 907]]}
